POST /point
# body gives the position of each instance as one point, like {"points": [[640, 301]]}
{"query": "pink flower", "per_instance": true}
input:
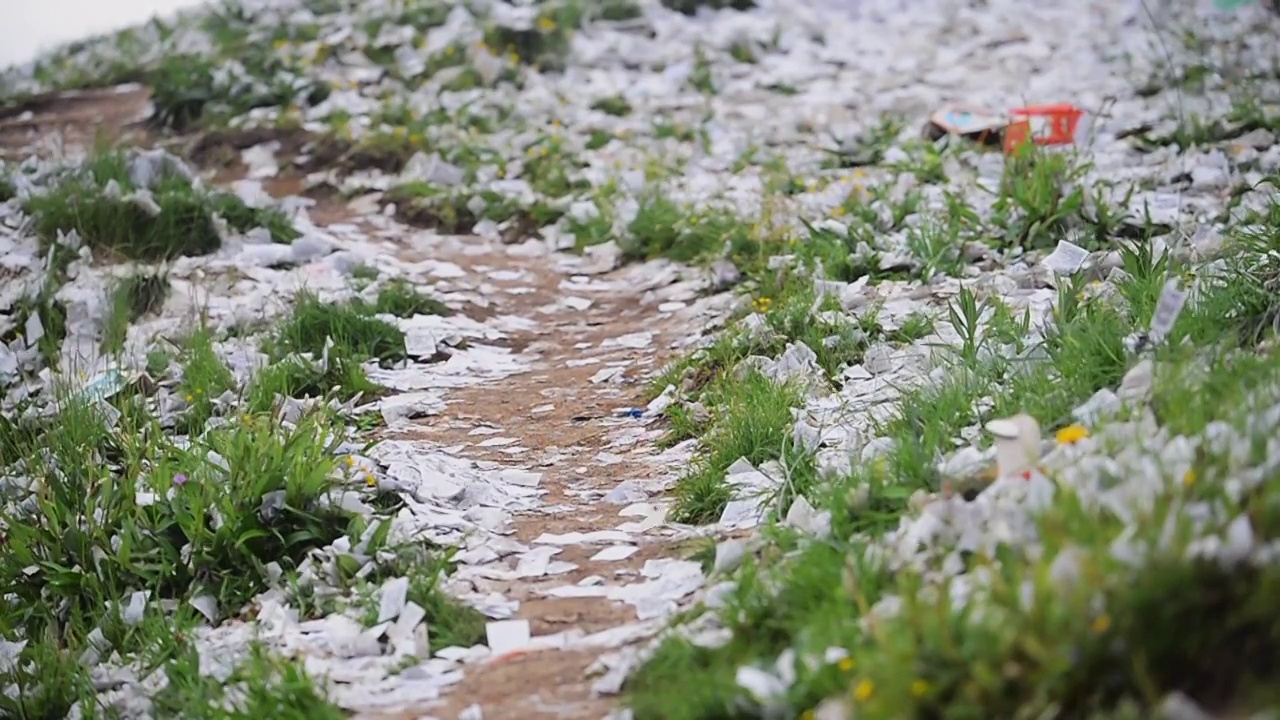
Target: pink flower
{"points": [[179, 479]]}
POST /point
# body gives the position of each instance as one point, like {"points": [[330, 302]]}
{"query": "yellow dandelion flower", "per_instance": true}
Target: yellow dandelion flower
{"points": [[920, 688], [864, 690], [1071, 434], [546, 24], [845, 664], [1189, 478], [1101, 624]]}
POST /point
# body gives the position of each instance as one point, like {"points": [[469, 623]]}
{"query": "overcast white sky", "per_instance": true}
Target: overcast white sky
{"points": [[28, 26]]}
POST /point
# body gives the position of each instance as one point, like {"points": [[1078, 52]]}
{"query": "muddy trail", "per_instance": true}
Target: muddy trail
{"points": [[570, 416]]}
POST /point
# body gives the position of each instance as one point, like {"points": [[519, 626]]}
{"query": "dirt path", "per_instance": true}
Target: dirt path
{"points": [[569, 418]]}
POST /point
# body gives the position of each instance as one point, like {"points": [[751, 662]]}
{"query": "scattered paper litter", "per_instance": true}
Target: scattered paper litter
{"points": [[632, 341], [506, 636], [615, 553], [1066, 259], [581, 538]]}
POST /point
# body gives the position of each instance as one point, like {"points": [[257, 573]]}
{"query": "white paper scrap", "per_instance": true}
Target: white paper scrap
{"points": [[1066, 259], [506, 636], [615, 553], [1168, 308]]}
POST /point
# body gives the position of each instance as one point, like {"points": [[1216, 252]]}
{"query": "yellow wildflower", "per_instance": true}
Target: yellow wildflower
{"points": [[280, 43], [351, 460], [513, 58], [1071, 434], [415, 139], [188, 397], [920, 688], [546, 24], [762, 304], [1101, 624], [1189, 478], [370, 480], [864, 690], [838, 211], [845, 664]]}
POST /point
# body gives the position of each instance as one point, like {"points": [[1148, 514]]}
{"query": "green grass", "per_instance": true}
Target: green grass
{"points": [[52, 316], [132, 297], [351, 328], [336, 339], [205, 377], [157, 534], [342, 377], [400, 298], [615, 105], [1036, 197], [546, 45], [268, 686], [117, 505], [753, 421], [1110, 645], [126, 229], [662, 228], [451, 623], [691, 7]]}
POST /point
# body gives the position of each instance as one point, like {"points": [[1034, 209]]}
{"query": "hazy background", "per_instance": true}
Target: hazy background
{"points": [[29, 26]]}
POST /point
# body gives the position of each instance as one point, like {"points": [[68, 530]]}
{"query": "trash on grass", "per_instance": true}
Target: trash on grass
{"points": [[1017, 441], [1055, 124], [507, 636], [981, 125]]}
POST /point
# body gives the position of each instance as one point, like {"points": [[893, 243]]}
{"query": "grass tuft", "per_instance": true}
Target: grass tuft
{"points": [[169, 219]]}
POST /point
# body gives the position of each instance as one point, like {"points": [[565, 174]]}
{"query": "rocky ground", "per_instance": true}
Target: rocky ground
{"points": [[641, 359]]}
